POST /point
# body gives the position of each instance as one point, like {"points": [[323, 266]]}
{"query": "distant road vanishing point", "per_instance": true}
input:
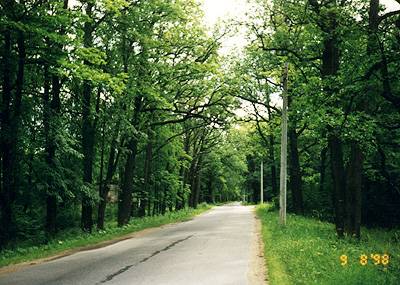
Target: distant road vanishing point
{"points": [[218, 247]]}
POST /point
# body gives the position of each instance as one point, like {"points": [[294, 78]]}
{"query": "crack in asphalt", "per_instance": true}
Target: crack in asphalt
{"points": [[126, 268]]}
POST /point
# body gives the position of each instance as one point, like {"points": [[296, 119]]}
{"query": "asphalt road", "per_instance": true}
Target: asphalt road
{"points": [[217, 247]]}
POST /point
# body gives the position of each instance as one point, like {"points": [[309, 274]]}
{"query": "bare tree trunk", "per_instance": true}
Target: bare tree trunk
{"points": [[52, 110], [197, 186], [322, 169], [104, 189], [354, 185], [295, 173], [125, 197], [330, 67], [295, 181], [10, 121], [147, 172], [163, 204], [271, 152], [51, 196], [100, 215], [271, 155], [101, 211], [88, 131], [156, 201], [339, 184], [192, 179], [6, 144], [210, 199], [180, 202]]}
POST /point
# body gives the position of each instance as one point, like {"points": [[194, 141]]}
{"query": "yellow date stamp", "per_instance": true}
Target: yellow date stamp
{"points": [[374, 258]]}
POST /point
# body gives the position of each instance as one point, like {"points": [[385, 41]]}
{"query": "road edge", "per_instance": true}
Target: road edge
{"points": [[257, 273]]}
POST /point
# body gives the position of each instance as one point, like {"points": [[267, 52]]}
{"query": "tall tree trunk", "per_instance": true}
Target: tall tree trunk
{"points": [[195, 169], [103, 200], [88, 143], [339, 185], [10, 122], [192, 179], [156, 201], [210, 190], [147, 172], [163, 204], [125, 197], [354, 170], [180, 201], [197, 180], [6, 144], [88, 130], [271, 153], [373, 23], [295, 173], [322, 169], [51, 198], [354, 185], [105, 188], [295, 182], [330, 66], [253, 182], [52, 112]]}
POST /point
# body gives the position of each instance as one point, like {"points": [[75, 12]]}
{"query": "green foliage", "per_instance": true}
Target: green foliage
{"points": [[355, 103], [104, 83]]}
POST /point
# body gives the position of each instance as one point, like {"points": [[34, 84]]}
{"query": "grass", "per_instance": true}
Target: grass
{"points": [[75, 238], [307, 251]]}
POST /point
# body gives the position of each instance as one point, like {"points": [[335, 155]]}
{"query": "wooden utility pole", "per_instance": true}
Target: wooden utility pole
{"points": [[262, 183], [283, 175]]}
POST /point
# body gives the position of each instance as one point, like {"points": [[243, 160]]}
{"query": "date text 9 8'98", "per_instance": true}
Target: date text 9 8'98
{"points": [[376, 259]]}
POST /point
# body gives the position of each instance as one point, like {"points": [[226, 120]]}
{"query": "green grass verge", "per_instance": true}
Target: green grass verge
{"points": [[307, 251], [75, 238]]}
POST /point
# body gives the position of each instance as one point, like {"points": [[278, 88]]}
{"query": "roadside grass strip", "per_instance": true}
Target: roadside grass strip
{"points": [[307, 251], [75, 239]]}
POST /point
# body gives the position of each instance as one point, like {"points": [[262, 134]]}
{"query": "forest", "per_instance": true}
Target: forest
{"points": [[122, 109]]}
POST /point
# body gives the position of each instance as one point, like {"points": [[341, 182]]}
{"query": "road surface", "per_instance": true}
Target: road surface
{"points": [[218, 247]]}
